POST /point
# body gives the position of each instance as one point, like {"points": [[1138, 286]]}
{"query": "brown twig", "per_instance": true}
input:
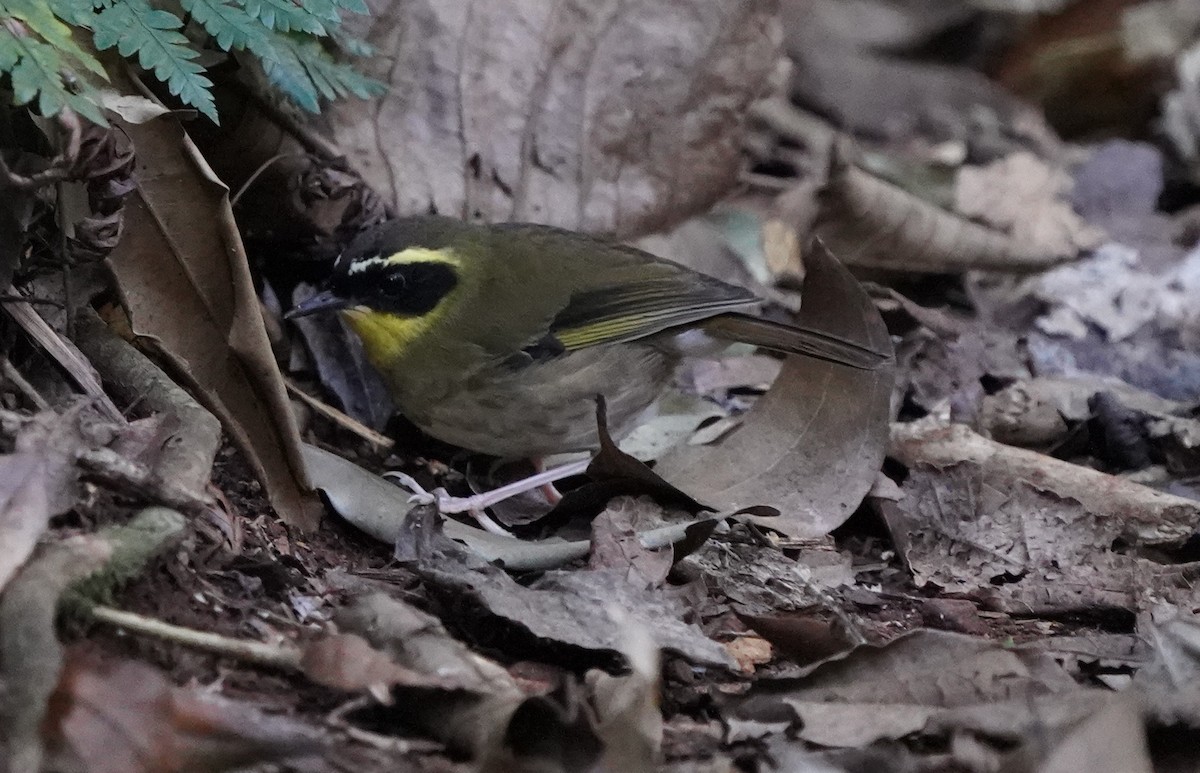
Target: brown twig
{"points": [[276, 656], [110, 469], [339, 418], [65, 354]]}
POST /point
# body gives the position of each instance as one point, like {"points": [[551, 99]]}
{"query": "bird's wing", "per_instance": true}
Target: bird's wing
{"points": [[642, 307], [621, 293]]}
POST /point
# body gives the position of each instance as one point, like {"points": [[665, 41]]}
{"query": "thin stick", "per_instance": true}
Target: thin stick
{"points": [[282, 656], [339, 418], [233, 200], [13, 376], [65, 354]]}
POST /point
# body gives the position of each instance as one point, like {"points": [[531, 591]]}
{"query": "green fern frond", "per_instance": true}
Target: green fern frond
{"points": [[353, 6], [38, 49], [136, 28], [76, 12], [301, 67], [230, 24], [334, 79], [352, 45], [316, 17], [42, 21], [36, 71]]}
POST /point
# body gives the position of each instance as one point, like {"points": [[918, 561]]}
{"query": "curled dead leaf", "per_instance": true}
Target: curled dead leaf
{"points": [[185, 281], [872, 223], [811, 447]]}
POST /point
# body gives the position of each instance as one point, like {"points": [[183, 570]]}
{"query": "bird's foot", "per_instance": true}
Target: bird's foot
{"points": [[477, 504]]}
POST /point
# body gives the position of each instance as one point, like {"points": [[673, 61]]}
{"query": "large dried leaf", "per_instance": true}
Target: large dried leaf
{"points": [[812, 446], [1039, 534], [872, 223], [601, 116], [126, 717], [184, 276], [896, 689], [564, 615]]}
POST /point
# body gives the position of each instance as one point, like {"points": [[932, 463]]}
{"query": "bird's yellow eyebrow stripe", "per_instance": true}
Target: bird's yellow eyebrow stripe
{"points": [[411, 255]]}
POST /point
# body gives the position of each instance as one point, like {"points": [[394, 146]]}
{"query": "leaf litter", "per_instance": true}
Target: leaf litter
{"points": [[1037, 490]]}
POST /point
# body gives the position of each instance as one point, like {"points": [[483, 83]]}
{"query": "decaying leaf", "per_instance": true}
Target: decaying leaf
{"points": [[872, 223], [811, 447], [1150, 517], [341, 365], [615, 117], [893, 690], [486, 715], [1114, 293], [347, 662], [126, 717], [184, 277], [957, 528], [563, 614], [1034, 531], [1027, 199], [615, 543]]}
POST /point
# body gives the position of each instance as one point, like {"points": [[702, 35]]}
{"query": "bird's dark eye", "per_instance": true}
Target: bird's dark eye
{"points": [[410, 289]]}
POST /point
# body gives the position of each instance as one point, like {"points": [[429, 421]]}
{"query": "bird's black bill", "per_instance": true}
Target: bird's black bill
{"points": [[324, 301]]}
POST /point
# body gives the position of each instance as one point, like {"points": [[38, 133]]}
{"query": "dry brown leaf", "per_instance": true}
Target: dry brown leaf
{"points": [[347, 662], [750, 652], [615, 543], [961, 529], [872, 223], [1145, 515], [1029, 200], [1038, 535], [811, 447], [126, 717], [185, 280], [622, 117], [892, 690], [571, 614]]}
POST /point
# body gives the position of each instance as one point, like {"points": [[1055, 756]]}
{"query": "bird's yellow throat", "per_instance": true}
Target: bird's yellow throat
{"points": [[386, 336]]}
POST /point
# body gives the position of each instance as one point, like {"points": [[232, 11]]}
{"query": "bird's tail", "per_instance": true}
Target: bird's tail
{"points": [[790, 339]]}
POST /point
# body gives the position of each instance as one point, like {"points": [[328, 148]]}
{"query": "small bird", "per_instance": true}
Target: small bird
{"points": [[498, 338]]}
